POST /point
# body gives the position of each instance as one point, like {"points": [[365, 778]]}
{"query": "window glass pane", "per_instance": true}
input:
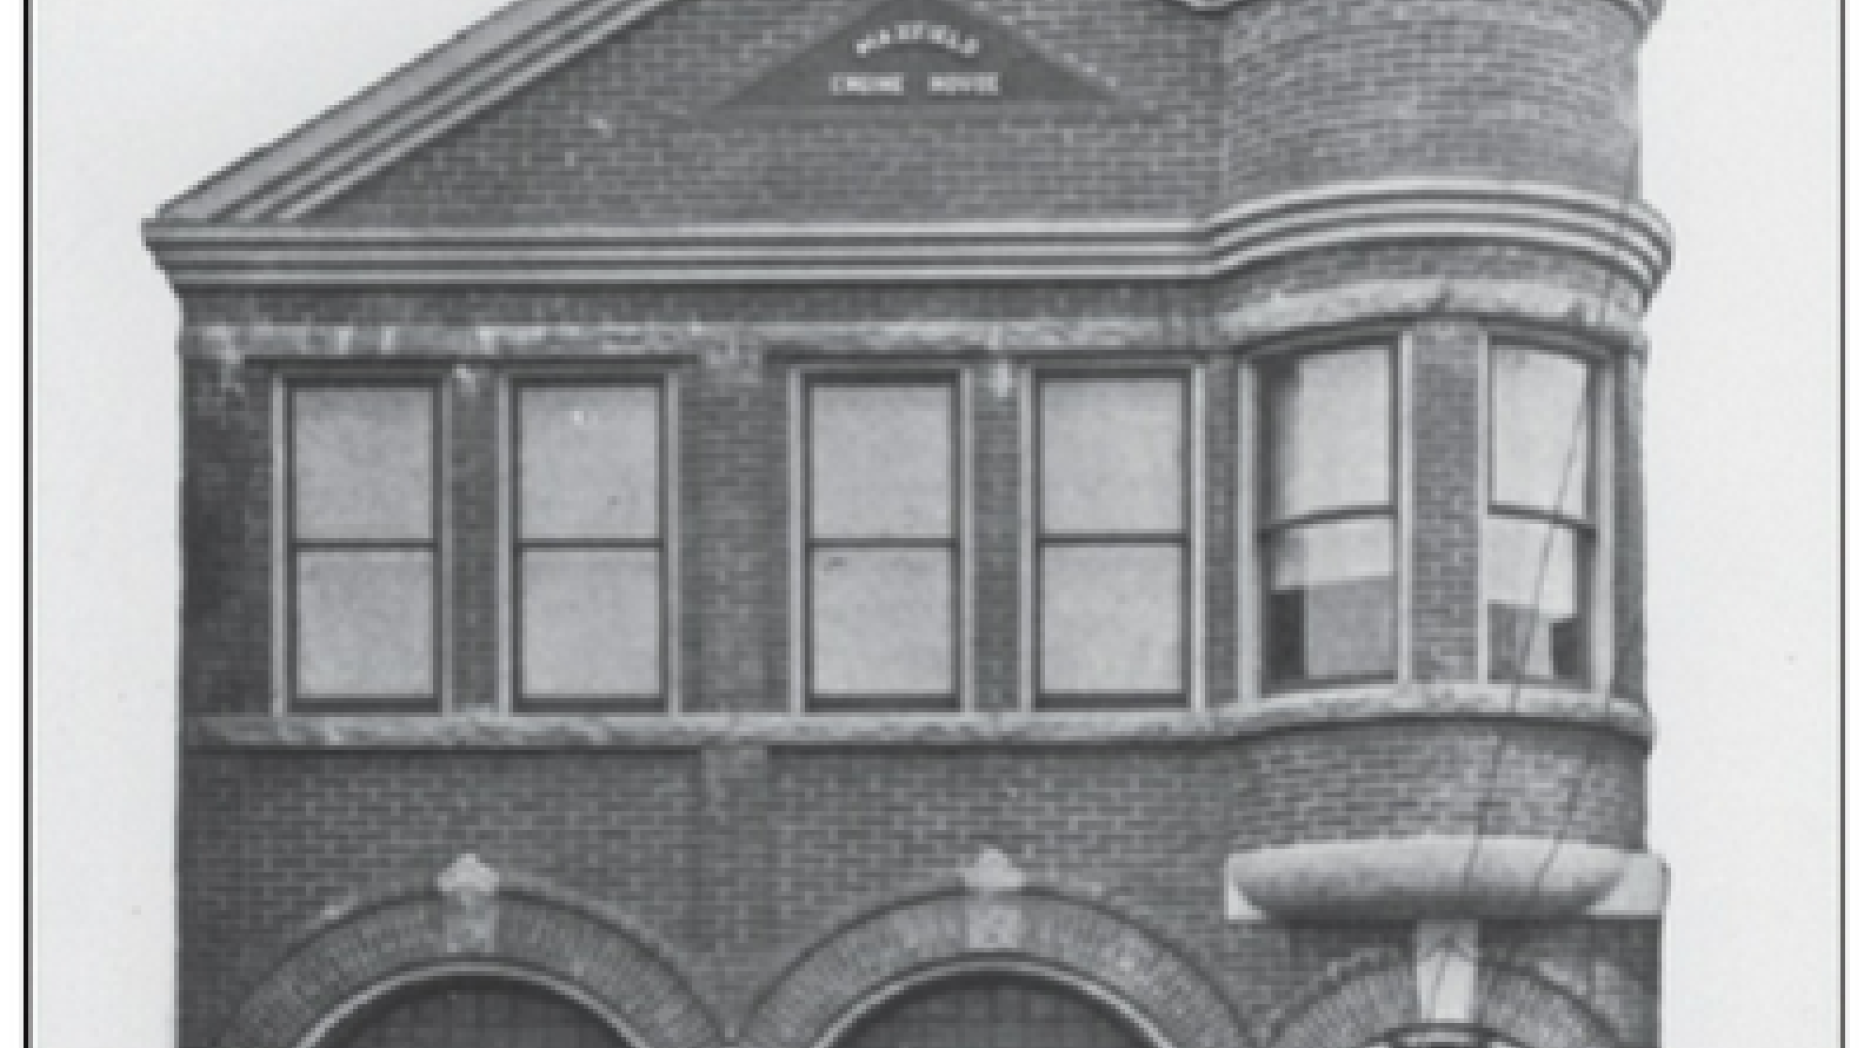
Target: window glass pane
{"points": [[1330, 431], [591, 623], [1332, 601], [590, 462], [880, 461], [882, 622], [1534, 631], [365, 624], [1112, 456], [1112, 619], [1541, 429], [363, 462]]}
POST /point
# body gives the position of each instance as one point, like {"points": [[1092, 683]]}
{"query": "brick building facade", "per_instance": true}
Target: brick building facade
{"points": [[1049, 523]]}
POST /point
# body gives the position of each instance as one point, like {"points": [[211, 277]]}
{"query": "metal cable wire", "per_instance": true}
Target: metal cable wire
{"points": [[1486, 798]]}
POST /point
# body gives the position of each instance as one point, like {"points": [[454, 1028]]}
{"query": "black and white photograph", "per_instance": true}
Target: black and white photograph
{"points": [[935, 524]]}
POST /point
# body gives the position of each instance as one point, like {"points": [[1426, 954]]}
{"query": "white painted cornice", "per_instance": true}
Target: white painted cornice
{"points": [[441, 90], [1624, 235]]}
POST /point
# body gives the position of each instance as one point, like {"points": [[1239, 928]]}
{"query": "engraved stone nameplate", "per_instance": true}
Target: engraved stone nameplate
{"points": [[922, 54]]}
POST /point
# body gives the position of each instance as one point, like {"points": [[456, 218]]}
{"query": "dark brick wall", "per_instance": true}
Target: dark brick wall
{"points": [[272, 840], [742, 855], [1446, 361], [1210, 110], [1392, 780], [473, 493], [1323, 92], [226, 524], [626, 132]]}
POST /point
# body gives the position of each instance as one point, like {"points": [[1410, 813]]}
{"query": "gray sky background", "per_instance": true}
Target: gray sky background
{"points": [[137, 101]]}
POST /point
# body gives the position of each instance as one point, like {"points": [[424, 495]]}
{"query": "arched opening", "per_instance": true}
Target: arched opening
{"points": [[473, 1012], [992, 1010]]}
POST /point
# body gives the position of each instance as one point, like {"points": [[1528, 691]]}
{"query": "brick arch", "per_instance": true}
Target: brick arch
{"points": [[1083, 945], [1364, 999], [1535, 1013], [546, 937]]}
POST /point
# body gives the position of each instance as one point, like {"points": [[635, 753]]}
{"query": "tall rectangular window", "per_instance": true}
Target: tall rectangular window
{"points": [[1112, 541], [1328, 533], [362, 525], [1538, 536], [589, 557], [881, 544]]}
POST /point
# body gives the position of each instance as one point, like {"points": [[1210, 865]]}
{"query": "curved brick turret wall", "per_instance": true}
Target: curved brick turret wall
{"points": [[1333, 90]]}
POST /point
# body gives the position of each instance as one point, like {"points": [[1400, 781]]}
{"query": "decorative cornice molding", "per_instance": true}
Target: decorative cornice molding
{"points": [[1626, 236], [439, 91], [1319, 709]]}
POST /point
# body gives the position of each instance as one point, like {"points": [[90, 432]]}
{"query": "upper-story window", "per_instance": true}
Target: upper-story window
{"points": [[1112, 540], [589, 559], [362, 542], [1328, 532], [881, 572], [1538, 534]]}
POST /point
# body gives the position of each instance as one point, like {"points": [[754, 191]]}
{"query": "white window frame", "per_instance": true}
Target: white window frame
{"points": [[800, 377], [1028, 379]]}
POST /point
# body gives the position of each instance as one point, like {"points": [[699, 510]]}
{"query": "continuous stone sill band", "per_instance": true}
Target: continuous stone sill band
{"points": [[1313, 710], [1251, 323]]}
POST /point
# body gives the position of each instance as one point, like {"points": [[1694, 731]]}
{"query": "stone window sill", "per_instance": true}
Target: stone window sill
{"points": [[1313, 709]]}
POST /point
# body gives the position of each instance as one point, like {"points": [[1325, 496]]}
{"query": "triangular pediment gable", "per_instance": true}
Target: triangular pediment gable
{"points": [[416, 104], [496, 59]]}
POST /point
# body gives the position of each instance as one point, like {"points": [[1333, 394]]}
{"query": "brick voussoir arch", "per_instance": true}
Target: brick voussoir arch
{"points": [[1070, 933], [1532, 1010], [536, 932], [1374, 993]]}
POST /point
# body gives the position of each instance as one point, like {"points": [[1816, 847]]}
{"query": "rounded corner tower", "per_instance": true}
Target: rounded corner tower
{"points": [[903, 523]]}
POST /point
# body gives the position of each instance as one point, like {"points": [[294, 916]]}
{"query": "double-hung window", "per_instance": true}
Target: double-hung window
{"points": [[1328, 529], [1538, 536], [361, 573], [589, 559], [1112, 543], [881, 543]]}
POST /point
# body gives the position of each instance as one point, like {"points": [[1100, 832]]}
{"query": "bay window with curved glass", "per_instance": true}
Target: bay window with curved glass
{"points": [[1328, 532], [1538, 536]]}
